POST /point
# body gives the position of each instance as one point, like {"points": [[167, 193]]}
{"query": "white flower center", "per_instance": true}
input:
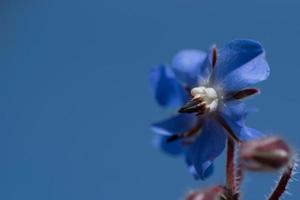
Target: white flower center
{"points": [[209, 95]]}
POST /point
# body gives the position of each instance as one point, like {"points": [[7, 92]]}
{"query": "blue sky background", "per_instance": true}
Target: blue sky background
{"points": [[75, 104]]}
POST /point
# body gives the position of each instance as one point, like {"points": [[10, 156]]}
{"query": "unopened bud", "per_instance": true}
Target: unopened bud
{"points": [[214, 193], [266, 154]]}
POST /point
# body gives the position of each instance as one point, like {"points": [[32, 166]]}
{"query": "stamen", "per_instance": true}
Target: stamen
{"points": [[203, 110], [205, 100], [192, 106]]}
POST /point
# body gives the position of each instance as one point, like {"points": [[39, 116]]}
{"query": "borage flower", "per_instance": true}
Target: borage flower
{"points": [[211, 87]]}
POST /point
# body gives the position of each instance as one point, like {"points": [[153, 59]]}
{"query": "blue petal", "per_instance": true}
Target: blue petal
{"points": [[174, 148], [188, 66], [176, 124], [235, 110], [205, 149], [167, 90], [250, 134], [235, 113], [241, 63], [208, 168]]}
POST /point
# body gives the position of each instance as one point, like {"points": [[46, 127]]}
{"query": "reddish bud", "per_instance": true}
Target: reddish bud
{"points": [[266, 154], [214, 193]]}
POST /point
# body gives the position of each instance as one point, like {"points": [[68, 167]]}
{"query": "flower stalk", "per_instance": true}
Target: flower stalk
{"points": [[230, 167], [239, 176], [282, 184]]}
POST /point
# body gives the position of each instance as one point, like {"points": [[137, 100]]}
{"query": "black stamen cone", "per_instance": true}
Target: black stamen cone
{"points": [[191, 106]]}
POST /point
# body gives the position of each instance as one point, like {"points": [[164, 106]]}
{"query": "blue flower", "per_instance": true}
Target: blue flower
{"points": [[208, 89]]}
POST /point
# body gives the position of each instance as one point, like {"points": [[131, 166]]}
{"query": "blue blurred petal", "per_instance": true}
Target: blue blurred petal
{"points": [[188, 66], [235, 113], [167, 90], [250, 134], [235, 110], [208, 168], [206, 148], [174, 125], [241, 63], [174, 148]]}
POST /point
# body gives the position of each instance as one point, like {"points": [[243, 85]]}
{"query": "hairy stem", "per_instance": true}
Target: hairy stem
{"points": [[231, 171], [230, 166], [239, 176], [283, 182]]}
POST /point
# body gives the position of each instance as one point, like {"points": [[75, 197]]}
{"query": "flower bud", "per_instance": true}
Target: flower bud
{"points": [[214, 193], [266, 154]]}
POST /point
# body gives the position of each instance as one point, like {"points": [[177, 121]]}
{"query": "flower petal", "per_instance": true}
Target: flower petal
{"points": [[209, 145], [250, 134], [188, 66], [167, 90], [235, 110], [173, 148], [174, 125], [207, 168], [235, 113], [241, 63]]}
